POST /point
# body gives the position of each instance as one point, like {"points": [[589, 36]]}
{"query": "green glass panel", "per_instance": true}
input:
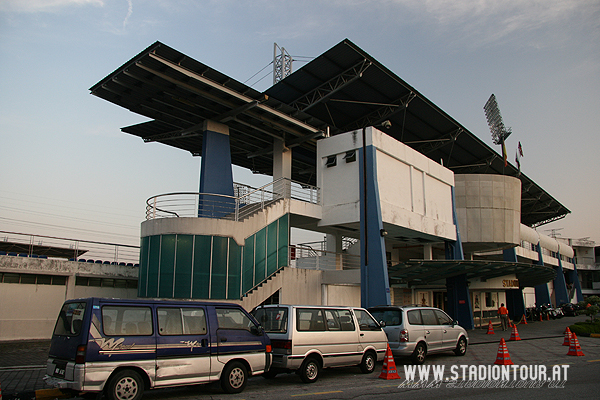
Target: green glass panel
{"points": [[260, 256], [167, 266], [153, 266], [271, 248], [201, 271], [248, 265], [234, 274], [143, 270], [284, 241], [183, 267], [218, 277]]}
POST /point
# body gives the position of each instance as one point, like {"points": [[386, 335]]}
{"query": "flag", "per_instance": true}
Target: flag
{"points": [[504, 155], [518, 156]]}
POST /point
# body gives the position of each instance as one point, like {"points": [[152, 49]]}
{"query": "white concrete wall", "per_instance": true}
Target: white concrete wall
{"points": [[488, 209], [29, 311], [414, 191]]}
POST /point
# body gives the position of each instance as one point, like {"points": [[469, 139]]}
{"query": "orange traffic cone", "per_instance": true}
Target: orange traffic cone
{"points": [[510, 324], [541, 317], [524, 320], [503, 358], [514, 335], [574, 348], [389, 366], [490, 330], [567, 341]]}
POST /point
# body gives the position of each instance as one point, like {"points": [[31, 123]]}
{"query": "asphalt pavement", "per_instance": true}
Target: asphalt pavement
{"points": [[23, 363]]}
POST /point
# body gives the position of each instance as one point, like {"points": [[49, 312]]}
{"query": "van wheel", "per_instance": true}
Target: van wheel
{"points": [[234, 377], [309, 371], [125, 385], [367, 365], [418, 355], [461, 347]]}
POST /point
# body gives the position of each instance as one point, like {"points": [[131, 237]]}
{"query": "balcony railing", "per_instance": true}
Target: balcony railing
{"points": [[245, 202], [302, 256]]}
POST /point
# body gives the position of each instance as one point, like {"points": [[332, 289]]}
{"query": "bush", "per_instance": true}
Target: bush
{"points": [[585, 328]]}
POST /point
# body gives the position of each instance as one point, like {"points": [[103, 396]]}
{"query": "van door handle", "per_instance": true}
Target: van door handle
{"points": [[223, 339], [362, 334], [427, 332]]}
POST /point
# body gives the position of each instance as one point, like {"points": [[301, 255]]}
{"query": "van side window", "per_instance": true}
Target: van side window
{"points": [[443, 318], [126, 321], [333, 321], [274, 320], [309, 320], [233, 318], [181, 321], [429, 317], [346, 320], [366, 322], [414, 317]]}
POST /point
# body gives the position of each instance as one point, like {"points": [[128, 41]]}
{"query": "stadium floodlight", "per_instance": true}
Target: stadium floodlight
{"points": [[494, 120]]}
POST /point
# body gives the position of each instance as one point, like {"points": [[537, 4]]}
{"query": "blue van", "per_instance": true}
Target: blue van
{"points": [[122, 347]]}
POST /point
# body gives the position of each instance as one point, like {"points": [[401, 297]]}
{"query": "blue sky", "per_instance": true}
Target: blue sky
{"points": [[68, 171]]}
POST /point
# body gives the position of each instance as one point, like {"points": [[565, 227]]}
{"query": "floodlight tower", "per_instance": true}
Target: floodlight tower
{"points": [[497, 128], [282, 63]]}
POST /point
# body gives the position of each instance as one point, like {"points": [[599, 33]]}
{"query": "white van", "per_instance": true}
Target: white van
{"points": [[307, 338]]}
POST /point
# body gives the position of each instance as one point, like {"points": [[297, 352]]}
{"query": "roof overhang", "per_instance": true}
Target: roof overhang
{"points": [[423, 272]]}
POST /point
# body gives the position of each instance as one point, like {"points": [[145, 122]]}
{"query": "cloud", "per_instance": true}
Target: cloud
{"points": [[33, 6], [129, 12]]}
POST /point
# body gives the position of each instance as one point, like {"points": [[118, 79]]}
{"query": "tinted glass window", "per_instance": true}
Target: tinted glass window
{"points": [[274, 320], [127, 320], [365, 321], [346, 320], [414, 317], [390, 317], [181, 321], [429, 317], [233, 318], [443, 318], [70, 319], [309, 319]]}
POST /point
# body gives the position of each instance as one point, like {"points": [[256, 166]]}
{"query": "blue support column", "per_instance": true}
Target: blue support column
{"points": [[561, 295], [542, 294], [459, 300], [374, 282], [216, 175], [514, 297], [574, 277]]}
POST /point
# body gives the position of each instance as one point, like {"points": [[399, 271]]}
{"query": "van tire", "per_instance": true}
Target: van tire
{"points": [[126, 384], [418, 355], [234, 377], [367, 365], [309, 371]]}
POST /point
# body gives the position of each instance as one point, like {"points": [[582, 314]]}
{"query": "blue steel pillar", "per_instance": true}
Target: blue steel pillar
{"points": [[459, 300], [561, 296], [514, 297], [574, 278], [216, 175], [374, 282], [542, 294]]}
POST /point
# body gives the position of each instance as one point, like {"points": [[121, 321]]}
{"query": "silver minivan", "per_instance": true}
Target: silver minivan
{"points": [[415, 331], [306, 339]]}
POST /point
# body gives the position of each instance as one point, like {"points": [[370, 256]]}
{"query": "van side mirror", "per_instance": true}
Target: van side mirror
{"points": [[455, 322], [382, 324], [257, 330]]}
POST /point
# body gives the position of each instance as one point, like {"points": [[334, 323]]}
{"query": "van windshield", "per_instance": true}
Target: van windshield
{"points": [[272, 319], [390, 317], [70, 319]]}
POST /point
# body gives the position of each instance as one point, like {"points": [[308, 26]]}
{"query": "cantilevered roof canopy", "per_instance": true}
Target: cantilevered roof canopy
{"points": [[348, 89], [179, 93], [343, 89], [423, 272]]}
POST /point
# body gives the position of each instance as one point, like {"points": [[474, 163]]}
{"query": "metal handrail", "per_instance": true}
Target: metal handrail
{"points": [[214, 205]]}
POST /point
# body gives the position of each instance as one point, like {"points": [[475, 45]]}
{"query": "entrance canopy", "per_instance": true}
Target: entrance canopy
{"points": [[423, 272]]}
